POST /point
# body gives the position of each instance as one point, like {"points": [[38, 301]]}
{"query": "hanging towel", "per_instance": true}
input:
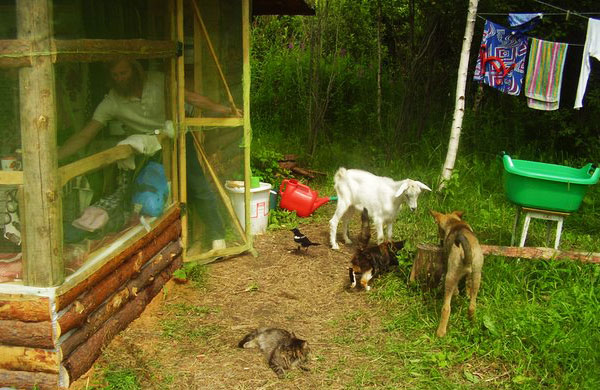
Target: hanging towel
{"points": [[544, 74], [590, 49], [524, 22], [501, 61]]}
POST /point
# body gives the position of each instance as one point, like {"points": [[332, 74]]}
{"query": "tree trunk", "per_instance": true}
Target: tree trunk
{"points": [[459, 109], [379, 64], [428, 267]]}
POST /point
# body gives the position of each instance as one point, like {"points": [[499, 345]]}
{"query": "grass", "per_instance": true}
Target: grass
{"points": [[537, 324]]}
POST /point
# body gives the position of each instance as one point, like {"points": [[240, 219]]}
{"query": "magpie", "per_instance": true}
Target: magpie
{"points": [[302, 240]]}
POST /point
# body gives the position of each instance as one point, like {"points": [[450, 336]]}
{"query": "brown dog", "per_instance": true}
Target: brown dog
{"points": [[370, 261], [464, 257]]}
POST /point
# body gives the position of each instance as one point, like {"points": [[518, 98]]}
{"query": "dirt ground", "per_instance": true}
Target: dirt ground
{"points": [[187, 337]]}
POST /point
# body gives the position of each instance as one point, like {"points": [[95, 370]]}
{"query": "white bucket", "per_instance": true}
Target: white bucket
{"points": [[259, 206]]}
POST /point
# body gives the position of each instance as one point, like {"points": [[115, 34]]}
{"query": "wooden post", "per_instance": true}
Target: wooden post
{"points": [[247, 127], [43, 265]]}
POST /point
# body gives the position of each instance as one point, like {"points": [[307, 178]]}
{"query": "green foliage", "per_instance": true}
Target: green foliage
{"points": [[265, 164], [115, 378], [193, 272], [281, 219]]}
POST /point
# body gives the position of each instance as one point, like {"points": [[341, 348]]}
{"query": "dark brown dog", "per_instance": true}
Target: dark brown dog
{"points": [[464, 258], [370, 261]]}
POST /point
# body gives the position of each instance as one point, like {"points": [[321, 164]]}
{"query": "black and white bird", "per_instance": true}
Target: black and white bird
{"points": [[302, 240]]}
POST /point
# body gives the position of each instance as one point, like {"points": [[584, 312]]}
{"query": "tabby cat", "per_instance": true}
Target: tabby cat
{"points": [[282, 349]]}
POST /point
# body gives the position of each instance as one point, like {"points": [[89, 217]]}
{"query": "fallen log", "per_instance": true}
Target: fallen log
{"points": [[108, 309], [82, 358], [540, 253], [303, 172]]}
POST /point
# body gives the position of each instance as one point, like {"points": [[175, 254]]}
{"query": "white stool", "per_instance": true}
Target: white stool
{"points": [[539, 214]]}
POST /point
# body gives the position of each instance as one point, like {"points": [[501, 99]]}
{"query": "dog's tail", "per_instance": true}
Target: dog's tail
{"points": [[249, 337], [461, 239], [365, 230]]}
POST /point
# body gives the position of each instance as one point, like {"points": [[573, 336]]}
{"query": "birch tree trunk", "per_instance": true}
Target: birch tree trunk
{"points": [[459, 109], [379, 64]]}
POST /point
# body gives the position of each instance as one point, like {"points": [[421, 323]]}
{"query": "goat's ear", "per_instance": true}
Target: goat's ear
{"points": [[402, 188], [423, 186]]}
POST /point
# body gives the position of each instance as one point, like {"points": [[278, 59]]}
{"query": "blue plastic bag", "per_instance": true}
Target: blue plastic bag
{"points": [[151, 189]]}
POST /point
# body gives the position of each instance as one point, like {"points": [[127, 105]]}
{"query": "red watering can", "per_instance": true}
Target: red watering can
{"points": [[300, 198]]}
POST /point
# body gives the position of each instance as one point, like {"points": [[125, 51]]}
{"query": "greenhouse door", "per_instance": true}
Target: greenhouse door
{"points": [[213, 80]]}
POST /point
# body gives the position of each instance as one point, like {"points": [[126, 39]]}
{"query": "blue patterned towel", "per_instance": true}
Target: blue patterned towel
{"points": [[501, 61]]}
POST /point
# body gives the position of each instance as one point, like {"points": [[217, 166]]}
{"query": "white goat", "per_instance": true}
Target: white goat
{"points": [[382, 196]]}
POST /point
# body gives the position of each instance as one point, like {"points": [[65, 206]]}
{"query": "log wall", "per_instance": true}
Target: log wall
{"points": [[48, 342]]}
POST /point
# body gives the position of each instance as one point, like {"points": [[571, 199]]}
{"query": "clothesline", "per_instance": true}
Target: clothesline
{"points": [[541, 13], [570, 44], [561, 9]]}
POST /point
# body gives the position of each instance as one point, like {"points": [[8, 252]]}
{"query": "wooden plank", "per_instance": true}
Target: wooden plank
{"points": [[29, 380], [94, 162], [161, 261], [28, 359], [24, 308], [43, 266], [212, 255], [14, 53], [91, 299], [540, 253], [62, 300], [172, 101], [26, 334], [82, 358], [181, 126], [92, 50], [11, 177], [215, 122], [22, 52]]}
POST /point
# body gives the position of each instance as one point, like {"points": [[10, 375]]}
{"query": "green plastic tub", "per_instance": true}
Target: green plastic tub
{"points": [[547, 186]]}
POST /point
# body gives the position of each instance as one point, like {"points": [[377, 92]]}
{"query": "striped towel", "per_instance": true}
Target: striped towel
{"points": [[544, 74]]}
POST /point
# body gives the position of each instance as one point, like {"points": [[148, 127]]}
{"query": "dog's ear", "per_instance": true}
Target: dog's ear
{"points": [[458, 213]]}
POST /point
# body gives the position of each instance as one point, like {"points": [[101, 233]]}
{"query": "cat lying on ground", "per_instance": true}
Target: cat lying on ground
{"points": [[282, 349]]}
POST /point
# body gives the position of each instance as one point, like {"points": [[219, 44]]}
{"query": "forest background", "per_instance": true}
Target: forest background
{"points": [[315, 84]]}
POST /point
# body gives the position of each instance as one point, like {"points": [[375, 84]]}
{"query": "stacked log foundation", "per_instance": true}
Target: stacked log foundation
{"points": [[50, 342]]}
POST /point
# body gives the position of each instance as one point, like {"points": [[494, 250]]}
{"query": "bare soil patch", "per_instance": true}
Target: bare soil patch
{"points": [[187, 337]]}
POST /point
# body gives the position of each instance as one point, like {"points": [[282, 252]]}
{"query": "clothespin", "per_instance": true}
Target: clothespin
{"points": [[567, 17]]}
